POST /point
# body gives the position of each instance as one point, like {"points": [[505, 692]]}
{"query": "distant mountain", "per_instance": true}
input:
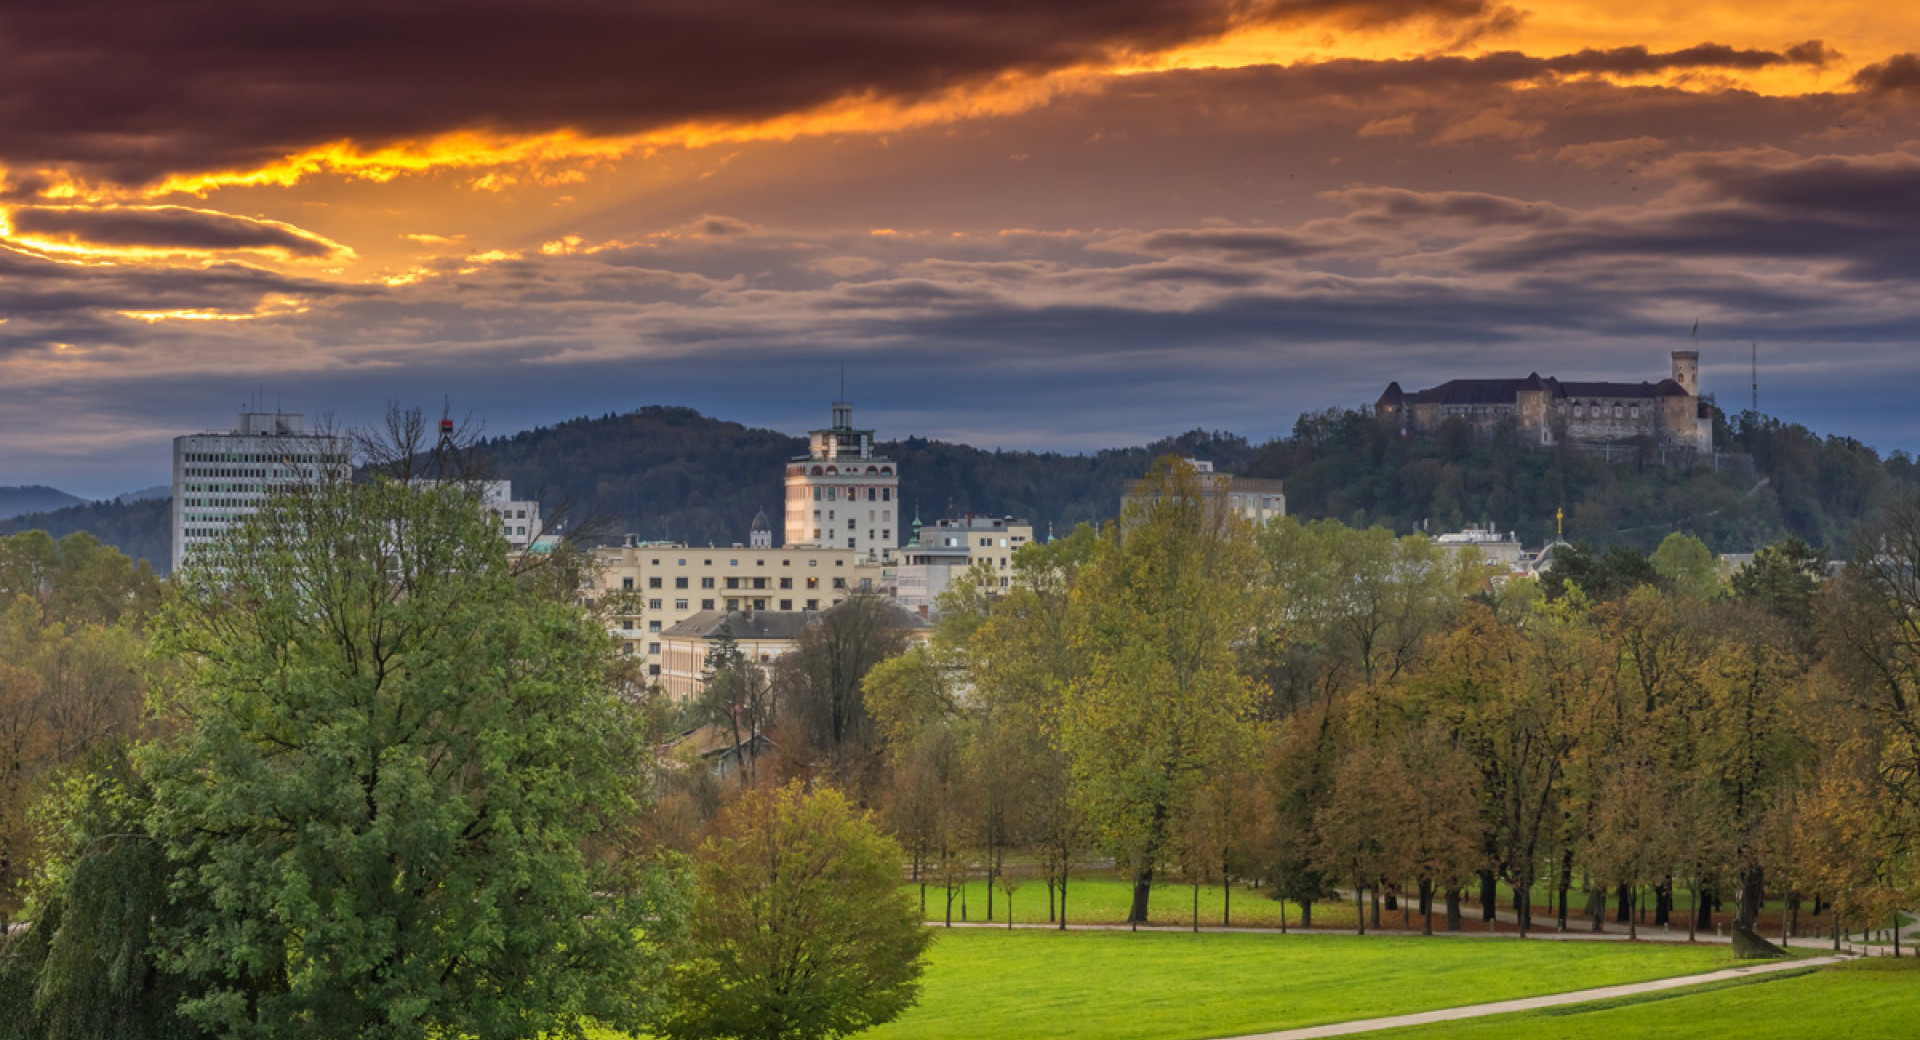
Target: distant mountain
{"points": [[34, 498]]}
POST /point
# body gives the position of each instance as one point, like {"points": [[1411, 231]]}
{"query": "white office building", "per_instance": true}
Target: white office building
{"points": [[840, 495], [221, 478]]}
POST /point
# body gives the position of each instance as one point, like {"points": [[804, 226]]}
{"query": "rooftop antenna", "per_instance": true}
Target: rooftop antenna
{"points": [[1755, 360], [843, 380]]}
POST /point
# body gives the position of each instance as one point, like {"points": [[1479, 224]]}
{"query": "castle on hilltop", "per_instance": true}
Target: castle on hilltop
{"points": [[1544, 411]]}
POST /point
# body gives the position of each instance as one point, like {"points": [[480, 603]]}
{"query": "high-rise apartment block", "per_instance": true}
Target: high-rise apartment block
{"points": [[840, 495], [221, 478]]}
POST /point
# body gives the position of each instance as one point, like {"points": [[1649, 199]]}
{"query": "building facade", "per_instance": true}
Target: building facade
{"points": [[841, 495], [945, 549], [519, 517], [657, 585], [1543, 411], [219, 479], [1255, 499], [761, 636]]}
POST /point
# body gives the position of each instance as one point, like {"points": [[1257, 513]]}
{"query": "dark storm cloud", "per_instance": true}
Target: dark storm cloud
{"points": [[1860, 213], [132, 89], [167, 227], [1898, 73]]}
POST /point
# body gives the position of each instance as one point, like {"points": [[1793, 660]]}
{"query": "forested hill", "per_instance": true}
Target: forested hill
{"points": [[1341, 464], [141, 528], [672, 473]]}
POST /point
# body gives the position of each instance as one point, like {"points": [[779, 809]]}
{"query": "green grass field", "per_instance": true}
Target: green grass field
{"points": [[1877, 999], [1099, 900], [1158, 986]]}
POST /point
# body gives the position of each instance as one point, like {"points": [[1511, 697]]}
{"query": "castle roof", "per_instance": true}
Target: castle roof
{"points": [[1505, 391]]}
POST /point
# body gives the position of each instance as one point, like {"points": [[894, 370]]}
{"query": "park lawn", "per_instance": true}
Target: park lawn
{"points": [[1100, 900], [1162, 986], [1874, 999]]}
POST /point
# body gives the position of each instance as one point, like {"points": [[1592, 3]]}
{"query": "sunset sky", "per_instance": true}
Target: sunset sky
{"points": [[1049, 223]]}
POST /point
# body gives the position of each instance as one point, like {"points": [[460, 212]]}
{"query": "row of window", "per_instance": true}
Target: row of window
{"points": [[837, 494], [834, 471], [732, 583], [1600, 412], [222, 456]]}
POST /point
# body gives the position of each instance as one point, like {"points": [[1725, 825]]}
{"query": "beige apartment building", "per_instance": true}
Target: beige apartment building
{"points": [[665, 583], [762, 637]]}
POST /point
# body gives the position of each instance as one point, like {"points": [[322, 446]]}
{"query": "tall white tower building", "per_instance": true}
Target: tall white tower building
{"points": [[221, 478], [840, 495]]}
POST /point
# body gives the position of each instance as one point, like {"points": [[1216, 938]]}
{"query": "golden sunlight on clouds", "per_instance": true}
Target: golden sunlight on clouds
{"points": [[1862, 31]]}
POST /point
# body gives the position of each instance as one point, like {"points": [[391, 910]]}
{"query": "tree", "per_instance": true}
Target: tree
{"points": [[1161, 609], [1686, 565], [799, 929], [88, 967], [1602, 576], [822, 692], [1354, 829], [390, 756]]}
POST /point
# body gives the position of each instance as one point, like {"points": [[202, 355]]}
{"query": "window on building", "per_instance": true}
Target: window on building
{"points": [[733, 583], [786, 583], [839, 583], [759, 604], [679, 604], [850, 524], [654, 583], [627, 624], [813, 604], [653, 604], [786, 604], [813, 583], [759, 583], [707, 583], [706, 604], [653, 669], [653, 648], [733, 604], [653, 626], [680, 582]]}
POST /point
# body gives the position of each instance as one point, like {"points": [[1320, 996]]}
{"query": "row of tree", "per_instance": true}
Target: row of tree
{"points": [[1317, 709]]}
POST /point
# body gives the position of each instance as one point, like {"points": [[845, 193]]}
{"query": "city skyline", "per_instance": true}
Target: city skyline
{"points": [[1067, 227]]}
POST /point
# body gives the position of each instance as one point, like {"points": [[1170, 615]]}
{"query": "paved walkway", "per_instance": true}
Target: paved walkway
{"points": [[1368, 1025]]}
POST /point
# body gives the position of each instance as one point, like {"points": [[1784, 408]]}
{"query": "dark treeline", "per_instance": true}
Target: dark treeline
{"points": [[143, 529], [1342, 465]]}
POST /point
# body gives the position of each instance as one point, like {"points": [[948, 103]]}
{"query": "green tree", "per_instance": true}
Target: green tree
{"points": [[1162, 612], [1687, 566], [799, 929], [390, 755]]}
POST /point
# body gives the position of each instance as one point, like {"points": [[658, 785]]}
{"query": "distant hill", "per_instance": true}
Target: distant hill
{"points": [[672, 473], [34, 498], [156, 491], [1342, 464], [142, 529]]}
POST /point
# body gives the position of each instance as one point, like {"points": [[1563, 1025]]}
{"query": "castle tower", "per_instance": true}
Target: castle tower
{"points": [[840, 495], [1686, 371]]}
